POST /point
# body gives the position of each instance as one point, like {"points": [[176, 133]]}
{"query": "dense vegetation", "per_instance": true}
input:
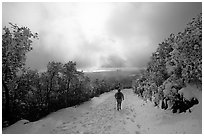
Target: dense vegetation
{"points": [[176, 63], [29, 94]]}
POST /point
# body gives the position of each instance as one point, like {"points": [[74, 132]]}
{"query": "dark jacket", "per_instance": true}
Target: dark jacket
{"points": [[119, 96]]}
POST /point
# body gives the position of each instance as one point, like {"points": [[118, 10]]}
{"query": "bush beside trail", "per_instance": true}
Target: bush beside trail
{"points": [[176, 64]]}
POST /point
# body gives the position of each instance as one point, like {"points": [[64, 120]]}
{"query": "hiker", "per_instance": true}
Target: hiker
{"points": [[119, 98]]}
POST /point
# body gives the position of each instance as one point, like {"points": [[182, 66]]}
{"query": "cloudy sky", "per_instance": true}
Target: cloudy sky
{"points": [[98, 35]]}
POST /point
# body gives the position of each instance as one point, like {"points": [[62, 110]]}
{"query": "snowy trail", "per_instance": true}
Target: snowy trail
{"points": [[99, 116]]}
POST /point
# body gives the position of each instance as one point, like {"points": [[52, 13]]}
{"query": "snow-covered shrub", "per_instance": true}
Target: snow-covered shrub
{"points": [[176, 62]]}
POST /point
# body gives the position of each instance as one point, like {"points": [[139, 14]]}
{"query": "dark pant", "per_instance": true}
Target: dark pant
{"points": [[119, 101]]}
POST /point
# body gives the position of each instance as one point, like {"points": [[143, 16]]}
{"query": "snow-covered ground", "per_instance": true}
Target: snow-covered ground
{"points": [[99, 116]]}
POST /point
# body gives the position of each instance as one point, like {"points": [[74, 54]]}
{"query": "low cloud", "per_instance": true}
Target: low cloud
{"points": [[98, 35], [113, 61]]}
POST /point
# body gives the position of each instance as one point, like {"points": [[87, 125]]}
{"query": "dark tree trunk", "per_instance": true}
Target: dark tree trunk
{"points": [[47, 97], [68, 84], [40, 91], [7, 108], [48, 93]]}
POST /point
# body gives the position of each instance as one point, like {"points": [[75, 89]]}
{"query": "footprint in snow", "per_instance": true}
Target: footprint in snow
{"points": [[61, 127], [139, 126], [65, 122], [73, 127], [127, 113], [137, 132], [84, 125], [53, 131], [132, 120], [86, 132]]}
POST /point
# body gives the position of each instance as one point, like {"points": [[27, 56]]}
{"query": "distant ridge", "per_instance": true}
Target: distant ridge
{"points": [[113, 69], [113, 73]]}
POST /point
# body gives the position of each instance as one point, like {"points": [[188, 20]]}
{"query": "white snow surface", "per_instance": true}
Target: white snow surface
{"points": [[99, 116]]}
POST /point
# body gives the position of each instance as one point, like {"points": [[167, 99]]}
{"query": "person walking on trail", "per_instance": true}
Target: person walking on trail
{"points": [[119, 98]]}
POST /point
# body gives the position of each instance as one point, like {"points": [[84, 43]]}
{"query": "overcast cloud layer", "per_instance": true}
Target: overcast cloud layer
{"points": [[98, 35]]}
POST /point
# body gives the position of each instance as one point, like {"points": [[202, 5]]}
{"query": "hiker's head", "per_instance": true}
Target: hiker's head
{"points": [[119, 90]]}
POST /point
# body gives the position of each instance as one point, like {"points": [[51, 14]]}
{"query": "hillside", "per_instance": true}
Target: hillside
{"points": [[116, 74]]}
